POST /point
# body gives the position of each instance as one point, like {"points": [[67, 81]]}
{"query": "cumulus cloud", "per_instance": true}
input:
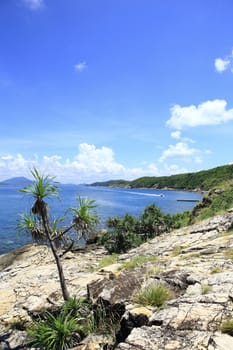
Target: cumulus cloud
{"points": [[33, 4], [176, 134], [221, 64], [93, 164], [89, 165], [80, 67], [207, 113], [181, 150]]}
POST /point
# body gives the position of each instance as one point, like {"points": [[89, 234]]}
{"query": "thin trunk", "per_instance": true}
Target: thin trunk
{"points": [[64, 289]]}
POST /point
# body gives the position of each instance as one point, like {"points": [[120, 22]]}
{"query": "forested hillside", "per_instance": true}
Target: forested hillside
{"points": [[201, 180]]}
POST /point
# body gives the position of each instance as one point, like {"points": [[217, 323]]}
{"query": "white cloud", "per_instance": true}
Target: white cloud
{"points": [[176, 134], [89, 165], [181, 150], [93, 164], [174, 169], [221, 64], [80, 67], [207, 113], [34, 4]]}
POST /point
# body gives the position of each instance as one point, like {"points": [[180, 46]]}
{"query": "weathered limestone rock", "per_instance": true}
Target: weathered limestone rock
{"points": [[132, 318], [13, 340], [191, 261], [95, 342], [155, 338], [29, 280], [221, 342], [116, 291]]}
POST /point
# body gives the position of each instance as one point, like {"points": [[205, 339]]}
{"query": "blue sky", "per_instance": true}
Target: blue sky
{"points": [[97, 90]]}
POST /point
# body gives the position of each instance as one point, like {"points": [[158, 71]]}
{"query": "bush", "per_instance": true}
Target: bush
{"points": [[55, 333], [65, 330], [154, 295], [129, 232], [122, 235], [181, 219], [227, 327], [76, 319]]}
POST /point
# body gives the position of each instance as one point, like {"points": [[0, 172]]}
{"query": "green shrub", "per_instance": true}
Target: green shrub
{"points": [[205, 288], [76, 319], [227, 327], [181, 219], [216, 201], [106, 320], [55, 333], [122, 234], [153, 222], [154, 295], [216, 269], [117, 241], [129, 232], [229, 253], [64, 330], [74, 307]]}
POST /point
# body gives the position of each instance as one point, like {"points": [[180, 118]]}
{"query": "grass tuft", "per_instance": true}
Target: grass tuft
{"points": [[205, 288], [108, 260], [154, 295], [138, 261], [216, 269], [227, 326], [228, 254], [177, 249]]}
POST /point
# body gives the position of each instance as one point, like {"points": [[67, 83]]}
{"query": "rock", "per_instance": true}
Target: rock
{"points": [[116, 291], [13, 340], [29, 280], [132, 318], [95, 342], [94, 238], [220, 342], [155, 338], [200, 275]]}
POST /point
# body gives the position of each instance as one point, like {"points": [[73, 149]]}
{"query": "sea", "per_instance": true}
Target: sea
{"points": [[110, 202]]}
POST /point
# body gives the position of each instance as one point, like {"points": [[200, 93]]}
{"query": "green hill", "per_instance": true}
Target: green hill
{"points": [[202, 180], [215, 201]]}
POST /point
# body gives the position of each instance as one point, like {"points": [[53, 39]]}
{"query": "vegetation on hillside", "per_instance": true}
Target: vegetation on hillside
{"points": [[129, 231], [65, 328], [202, 180], [215, 201]]}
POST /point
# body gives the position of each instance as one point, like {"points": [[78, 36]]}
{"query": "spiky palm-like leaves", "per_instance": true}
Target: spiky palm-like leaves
{"points": [[84, 215], [43, 230], [55, 333]]}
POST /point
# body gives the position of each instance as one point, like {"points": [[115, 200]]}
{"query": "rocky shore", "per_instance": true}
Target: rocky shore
{"points": [[195, 262]]}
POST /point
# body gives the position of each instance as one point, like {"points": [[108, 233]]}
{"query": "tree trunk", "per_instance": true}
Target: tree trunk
{"points": [[64, 289]]}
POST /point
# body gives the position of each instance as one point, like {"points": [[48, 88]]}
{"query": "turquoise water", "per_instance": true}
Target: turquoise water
{"points": [[111, 202]]}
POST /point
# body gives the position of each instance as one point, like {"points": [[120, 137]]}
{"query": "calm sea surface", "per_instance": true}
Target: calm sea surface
{"points": [[111, 202]]}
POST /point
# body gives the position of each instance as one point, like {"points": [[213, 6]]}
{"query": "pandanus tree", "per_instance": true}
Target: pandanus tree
{"points": [[42, 229]]}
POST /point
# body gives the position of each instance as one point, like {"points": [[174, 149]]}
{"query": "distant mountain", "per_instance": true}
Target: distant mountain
{"points": [[17, 181]]}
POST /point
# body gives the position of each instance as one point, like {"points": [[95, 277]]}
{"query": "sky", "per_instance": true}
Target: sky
{"points": [[115, 89]]}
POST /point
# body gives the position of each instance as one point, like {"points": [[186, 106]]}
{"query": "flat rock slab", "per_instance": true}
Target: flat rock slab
{"points": [[29, 280]]}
